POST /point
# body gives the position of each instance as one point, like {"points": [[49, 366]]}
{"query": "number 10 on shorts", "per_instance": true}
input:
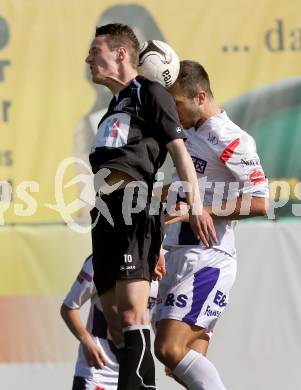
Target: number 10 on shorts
{"points": [[128, 258]]}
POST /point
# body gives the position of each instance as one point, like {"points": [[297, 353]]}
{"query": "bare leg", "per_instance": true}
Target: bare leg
{"points": [[109, 307], [174, 340], [125, 310], [170, 349], [131, 298]]}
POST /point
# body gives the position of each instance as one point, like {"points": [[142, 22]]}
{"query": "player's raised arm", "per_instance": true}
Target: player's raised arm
{"points": [[237, 153], [200, 220], [167, 128]]}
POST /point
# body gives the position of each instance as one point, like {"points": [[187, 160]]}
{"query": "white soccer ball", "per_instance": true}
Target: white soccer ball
{"points": [[159, 62]]}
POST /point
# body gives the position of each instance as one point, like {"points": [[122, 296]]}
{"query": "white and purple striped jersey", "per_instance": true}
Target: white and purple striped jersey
{"points": [[82, 290], [227, 165]]}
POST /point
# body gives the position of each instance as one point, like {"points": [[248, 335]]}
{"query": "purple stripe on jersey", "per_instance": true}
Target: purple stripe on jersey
{"points": [[100, 330], [84, 276], [204, 282]]}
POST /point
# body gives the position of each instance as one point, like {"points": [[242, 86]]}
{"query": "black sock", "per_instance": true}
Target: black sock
{"points": [[137, 368], [148, 364]]}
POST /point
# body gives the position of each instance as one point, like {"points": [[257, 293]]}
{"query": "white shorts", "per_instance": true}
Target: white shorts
{"points": [[196, 287], [80, 383]]}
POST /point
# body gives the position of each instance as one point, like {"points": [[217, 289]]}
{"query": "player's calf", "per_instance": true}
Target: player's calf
{"points": [[170, 350], [137, 365]]}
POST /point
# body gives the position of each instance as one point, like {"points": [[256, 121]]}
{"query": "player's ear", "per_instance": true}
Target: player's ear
{"points": [[121, 54], [200, 97]]}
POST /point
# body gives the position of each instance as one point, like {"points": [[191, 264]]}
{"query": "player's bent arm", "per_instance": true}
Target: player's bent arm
{"points": [[200, 220], [92, 352], [243, 207], [186, 171], [72, 320]]}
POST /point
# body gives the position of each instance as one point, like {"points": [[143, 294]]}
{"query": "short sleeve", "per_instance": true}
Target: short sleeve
{"points": [[162, 112], [83, 287], [239, 155]]}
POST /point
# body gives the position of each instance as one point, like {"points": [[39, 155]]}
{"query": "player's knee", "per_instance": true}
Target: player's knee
{"points": [[133, 317], [169, 352]]}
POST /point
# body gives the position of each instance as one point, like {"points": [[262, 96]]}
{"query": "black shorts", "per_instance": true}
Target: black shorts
{"points": [[124, 251], [79, 383]]}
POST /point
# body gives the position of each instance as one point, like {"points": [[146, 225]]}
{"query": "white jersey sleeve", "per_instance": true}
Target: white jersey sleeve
{"points": [[83, 287], [236, 150]]}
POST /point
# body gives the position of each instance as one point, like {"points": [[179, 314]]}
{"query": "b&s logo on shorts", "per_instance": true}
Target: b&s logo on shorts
{"points": [[151, 302], [199, 164], [176, 300], [220, 299]]}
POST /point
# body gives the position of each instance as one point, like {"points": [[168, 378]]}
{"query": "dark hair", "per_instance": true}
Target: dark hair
{"points": [[192, 77], [145, 27], [121, 35]]}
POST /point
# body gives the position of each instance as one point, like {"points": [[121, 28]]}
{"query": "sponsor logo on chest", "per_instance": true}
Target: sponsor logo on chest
{"points": [[123, 103], [212, 139], [113, 131], [199, 164], [253, 162]]}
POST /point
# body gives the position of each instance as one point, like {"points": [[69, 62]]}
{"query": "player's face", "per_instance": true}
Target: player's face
{"points": [[187, 108], [102, 60]]}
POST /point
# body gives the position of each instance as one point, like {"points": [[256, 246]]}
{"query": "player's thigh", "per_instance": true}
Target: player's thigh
{"points": [[173, 332], [132, 297], [109, 307], [201, 344], [173, 339]]}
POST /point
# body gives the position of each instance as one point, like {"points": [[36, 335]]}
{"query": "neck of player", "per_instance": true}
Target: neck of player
{"points": [[118, 82], [210, 109]]}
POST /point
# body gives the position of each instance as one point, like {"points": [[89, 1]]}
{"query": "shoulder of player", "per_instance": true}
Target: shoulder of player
{"points": [[220, 132], [87, 272], [152, 88]]}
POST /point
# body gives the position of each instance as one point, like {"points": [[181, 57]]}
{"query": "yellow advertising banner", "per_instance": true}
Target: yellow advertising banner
{"points": [[48, 104], [38, 266], [49, 110]]}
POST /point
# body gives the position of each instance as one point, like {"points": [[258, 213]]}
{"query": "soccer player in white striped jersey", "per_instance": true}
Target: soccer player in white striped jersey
{"points": [[97, 364], [196, 289]]}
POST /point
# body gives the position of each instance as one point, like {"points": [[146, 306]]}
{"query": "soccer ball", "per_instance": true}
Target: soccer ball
{"points": [[159, 62]]}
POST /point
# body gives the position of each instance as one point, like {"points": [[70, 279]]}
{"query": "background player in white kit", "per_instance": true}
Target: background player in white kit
{"points": [[196, 288], [96, 346]]}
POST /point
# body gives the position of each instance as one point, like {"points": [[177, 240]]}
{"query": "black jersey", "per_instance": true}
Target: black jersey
{"points": [[132, 136]]}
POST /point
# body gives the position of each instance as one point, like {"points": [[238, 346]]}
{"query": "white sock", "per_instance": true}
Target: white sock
{"points": [[198, 373]]}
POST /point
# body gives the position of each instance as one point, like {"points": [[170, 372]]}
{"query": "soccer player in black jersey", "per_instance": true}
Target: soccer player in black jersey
{"points": [[133, 137]]}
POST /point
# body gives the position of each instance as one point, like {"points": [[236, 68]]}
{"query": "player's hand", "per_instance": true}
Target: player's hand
{"points": [[182, 214], [203, 227], [160, 270], [168, 372], [93, 353]]}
